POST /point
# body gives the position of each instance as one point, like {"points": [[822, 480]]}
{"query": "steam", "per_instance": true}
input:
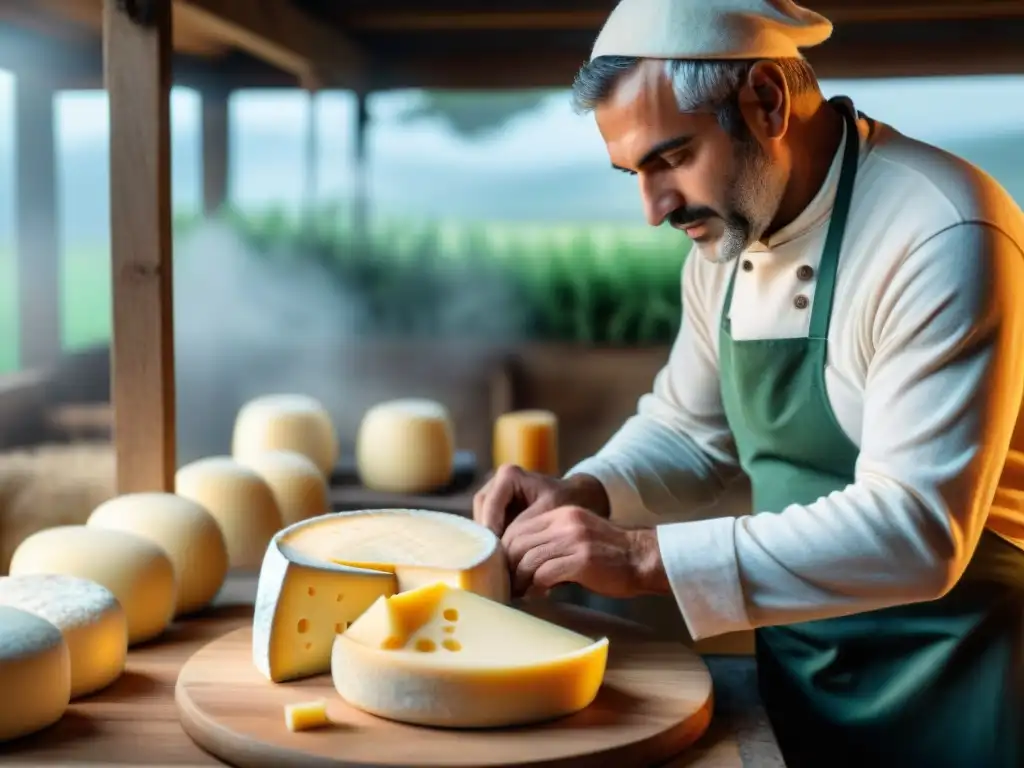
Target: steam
{"points": [[246, 326]]}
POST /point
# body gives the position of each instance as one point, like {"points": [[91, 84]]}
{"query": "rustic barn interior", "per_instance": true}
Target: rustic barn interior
{"points": [[136, 49]]}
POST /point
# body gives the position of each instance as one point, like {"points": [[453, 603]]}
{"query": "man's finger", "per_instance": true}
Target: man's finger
{"points": [[554, 571], [525, 526], [480, 498], [532, 559], [522, 540], [494, 504]]}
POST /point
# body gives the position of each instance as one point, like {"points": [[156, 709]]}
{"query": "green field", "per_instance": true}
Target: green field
{"points": [[587, 284]]}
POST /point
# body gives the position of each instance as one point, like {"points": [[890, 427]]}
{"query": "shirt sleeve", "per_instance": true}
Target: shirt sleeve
{"points": [[942, 398], [676, 453]]}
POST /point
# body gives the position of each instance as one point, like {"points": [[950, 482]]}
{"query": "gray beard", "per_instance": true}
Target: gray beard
{"points": [[754, 195]]}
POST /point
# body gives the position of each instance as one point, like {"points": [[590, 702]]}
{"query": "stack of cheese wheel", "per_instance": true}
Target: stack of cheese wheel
{"points": [[528, 439], [406, 446], [286, 423], [138, 572], [186, 532], [241, 502], [298, 485]]}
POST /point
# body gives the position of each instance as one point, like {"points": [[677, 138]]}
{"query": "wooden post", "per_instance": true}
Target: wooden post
{"points": [[312, 158], [216, 148], [360, 191], [137, 71], [38, 240]]}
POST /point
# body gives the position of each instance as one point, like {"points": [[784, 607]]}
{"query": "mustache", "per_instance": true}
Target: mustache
{"points": [[686, 215]]}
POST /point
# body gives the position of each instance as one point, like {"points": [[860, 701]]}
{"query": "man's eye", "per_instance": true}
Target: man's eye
{"points": [[675, 159]]}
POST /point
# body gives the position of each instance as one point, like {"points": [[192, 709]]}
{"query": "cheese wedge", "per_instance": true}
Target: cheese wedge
{"points": [[444, 657], [323, 573]]}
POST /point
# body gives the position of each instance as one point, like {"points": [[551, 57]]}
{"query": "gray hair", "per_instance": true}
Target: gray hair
{"points": [[699, 85]]}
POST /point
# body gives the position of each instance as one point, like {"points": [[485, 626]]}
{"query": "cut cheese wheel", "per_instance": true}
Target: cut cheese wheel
{"points": [[187, 533], [528, 439], [89, 616], [240, 501], [286, 423], [136, 570], [406, 446], [446, 657], [35, 673], [321, 574], [298, 485]]}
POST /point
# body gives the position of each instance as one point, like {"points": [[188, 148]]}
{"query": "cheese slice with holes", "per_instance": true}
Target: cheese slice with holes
{"points": [[321, 574], [444, 657]]}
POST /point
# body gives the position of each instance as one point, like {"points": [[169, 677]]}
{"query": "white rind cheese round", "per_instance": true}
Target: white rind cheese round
{"points": [[136, 570], [449, 658], [91, 619], [187, 533], [35, 673], [240, 501], [298, 485], [406, 446], [286, 423], [321, 574]]}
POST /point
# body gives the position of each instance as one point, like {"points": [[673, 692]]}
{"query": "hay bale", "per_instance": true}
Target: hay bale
{"points": [[51, 485]]}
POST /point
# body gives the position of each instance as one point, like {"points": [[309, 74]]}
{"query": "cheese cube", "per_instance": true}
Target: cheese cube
{"points": [[444, 657], [306, 715], [321, 574], [528, 439]]}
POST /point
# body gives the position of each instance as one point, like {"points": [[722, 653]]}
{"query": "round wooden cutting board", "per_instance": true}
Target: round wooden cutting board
{"points": [[655, 702]]}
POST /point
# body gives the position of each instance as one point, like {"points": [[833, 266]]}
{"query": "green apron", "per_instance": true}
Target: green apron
{"points": [[938, 684]]}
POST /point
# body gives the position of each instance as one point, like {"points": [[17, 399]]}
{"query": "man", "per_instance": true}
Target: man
{"points": [[853, 341]]}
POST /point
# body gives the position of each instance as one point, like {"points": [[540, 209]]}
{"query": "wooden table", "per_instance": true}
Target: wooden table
{"points": [[135, 722]]}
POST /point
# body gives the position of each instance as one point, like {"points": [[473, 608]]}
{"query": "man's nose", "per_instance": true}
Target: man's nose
{"points": [[659, 200]]}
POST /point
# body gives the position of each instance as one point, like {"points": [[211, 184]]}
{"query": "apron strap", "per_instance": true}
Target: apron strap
{"points": [[821, 313]]}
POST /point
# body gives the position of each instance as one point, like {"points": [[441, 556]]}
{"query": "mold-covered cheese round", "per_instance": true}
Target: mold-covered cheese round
{"points": [[406, 446], [91, 619], [186, 531], [286, 423], [240, 501], [298, 485], [35, 673], [137, 571]]}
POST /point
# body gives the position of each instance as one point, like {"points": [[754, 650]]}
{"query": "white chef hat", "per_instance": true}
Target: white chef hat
{"points": [[710, 29]]}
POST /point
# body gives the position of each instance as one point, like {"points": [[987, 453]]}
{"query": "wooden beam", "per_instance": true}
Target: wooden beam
{"points": [[216, 148], [38, 241], [276, 32], [137, 60], [526, 20]]}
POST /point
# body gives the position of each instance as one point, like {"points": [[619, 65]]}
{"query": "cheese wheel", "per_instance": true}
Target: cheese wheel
{"points": [[299, 487], [35, 673], [136, 570], [321, 574], [91, 619], [186, 532], [286, 423], [446, 657], [240, 501], [406, 446], [528, 439]]}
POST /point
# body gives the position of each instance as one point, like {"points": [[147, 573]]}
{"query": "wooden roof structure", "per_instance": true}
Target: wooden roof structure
{"points": [[371, 45], [137, 48]]}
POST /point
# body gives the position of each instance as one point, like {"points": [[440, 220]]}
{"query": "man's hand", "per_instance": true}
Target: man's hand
{"points": [[513, 492], [572, 544]]}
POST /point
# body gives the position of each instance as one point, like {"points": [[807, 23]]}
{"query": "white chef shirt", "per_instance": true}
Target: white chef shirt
{"points": [[925, 374]]}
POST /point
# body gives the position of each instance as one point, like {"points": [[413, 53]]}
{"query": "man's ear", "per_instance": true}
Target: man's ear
{"points": [[765, 101]]}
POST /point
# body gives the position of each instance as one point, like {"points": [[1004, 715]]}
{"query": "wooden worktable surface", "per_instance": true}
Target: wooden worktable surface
{"points": [[135, 722]]}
